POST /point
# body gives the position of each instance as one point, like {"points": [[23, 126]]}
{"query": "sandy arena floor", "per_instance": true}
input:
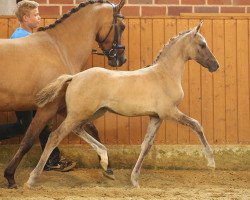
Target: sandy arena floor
{"points": [[155, 184]]}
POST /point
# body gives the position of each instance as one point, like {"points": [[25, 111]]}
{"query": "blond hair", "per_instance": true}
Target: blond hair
{"points": [[24, 7]]}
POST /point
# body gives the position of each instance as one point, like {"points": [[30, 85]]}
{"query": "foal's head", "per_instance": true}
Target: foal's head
{"points": [[109, 37], [198, 50]]}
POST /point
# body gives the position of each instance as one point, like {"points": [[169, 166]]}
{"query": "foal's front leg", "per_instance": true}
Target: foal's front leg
{"points": [[153, 126], [195, 125]]}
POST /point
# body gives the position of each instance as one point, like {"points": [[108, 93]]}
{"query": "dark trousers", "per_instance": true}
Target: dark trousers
{"points": [[24, 119]]}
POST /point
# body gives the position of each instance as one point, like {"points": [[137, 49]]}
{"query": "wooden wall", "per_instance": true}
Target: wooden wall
{"points": [[220, 101]]}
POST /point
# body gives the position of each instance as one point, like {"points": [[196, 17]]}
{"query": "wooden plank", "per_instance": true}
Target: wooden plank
{"points": [[219, 83], [171, 126], [146, 57], [4, 28], [183, 131], [194, 91], [231, 82], [134, 63], [243, 80], [123, 122], [158, 43], [13, 25], [207, 87]]}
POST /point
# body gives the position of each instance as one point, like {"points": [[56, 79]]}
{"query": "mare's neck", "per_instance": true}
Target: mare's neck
{"points": [[75, 36]]}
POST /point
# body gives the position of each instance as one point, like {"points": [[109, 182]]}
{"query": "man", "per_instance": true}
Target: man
{"points": [[27, 14]]}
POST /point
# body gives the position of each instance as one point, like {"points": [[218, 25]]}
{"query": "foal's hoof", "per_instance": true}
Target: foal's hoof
{"points": [[135, 183], [211, 164], [30, 183], [27, 185], [12, 186], [109, 174]]}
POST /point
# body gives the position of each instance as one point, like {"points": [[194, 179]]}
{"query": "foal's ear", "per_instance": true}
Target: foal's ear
{"points": [[121, 4], [197, 29]]}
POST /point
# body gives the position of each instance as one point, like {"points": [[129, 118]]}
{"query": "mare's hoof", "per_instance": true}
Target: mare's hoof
{"points": [[109, 174], [12, 186]]}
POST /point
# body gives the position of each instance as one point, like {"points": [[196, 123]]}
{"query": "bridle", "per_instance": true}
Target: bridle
{"points": [[113, 51]]}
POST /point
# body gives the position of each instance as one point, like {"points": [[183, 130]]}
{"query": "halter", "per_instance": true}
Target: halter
{"points": [[111, 53]]}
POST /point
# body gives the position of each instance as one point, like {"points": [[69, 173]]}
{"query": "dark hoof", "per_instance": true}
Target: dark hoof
{"points": [[12, 186], [109, 174]]}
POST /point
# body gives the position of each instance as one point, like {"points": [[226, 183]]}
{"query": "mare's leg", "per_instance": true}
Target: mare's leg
{"points": [[195, 125], [41, 118], [69, 124], [153, 126], [24, 119]]}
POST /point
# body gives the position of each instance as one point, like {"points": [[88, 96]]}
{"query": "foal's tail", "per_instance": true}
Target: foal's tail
{"points": [[52, 90]]}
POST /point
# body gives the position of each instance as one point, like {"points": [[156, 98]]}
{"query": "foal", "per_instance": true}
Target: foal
{"points": [[155, 91]]}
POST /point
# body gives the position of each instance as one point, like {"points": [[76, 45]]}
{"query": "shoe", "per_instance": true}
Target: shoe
{"points": [[63, 165]]}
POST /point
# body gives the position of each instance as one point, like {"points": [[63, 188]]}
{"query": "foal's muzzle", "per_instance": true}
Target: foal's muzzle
{"points": [[213, 66]]}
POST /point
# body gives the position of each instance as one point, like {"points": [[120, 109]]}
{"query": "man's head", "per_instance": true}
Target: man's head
{"points": [[28, 14]]}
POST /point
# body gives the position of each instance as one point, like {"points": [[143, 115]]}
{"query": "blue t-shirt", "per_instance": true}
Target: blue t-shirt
{"points": [[20, 32]]}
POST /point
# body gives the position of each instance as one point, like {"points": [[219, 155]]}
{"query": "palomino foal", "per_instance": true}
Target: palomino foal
{"points": [[155, 91]]}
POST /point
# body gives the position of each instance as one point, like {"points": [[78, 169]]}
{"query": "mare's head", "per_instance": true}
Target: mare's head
{"points": [[109, 37], [197, 49]]}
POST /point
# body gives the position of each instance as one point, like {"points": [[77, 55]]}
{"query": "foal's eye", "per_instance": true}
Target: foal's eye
{"points": [[203, 45]]}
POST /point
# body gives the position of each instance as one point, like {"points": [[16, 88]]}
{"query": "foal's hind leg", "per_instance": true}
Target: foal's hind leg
{"points": [[53, 141], [98, 147], [153, 126], [39, 121], [195, 125], [91, 130]]}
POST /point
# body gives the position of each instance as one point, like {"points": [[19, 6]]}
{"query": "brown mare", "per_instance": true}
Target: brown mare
{"points": [[30, 63], [155, 91]]}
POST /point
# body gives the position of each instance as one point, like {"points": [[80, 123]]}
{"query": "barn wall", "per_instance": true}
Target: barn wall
{"points": [[220, 101]]}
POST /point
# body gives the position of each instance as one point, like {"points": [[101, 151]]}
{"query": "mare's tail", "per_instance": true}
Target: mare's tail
{"points": [[52, 90]]}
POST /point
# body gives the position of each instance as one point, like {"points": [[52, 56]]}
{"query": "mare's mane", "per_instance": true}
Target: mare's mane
{"points": [[73, 10]]}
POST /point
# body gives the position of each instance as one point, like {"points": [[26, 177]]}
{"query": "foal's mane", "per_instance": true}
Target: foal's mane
{"points": [[73, 10], [170, 43]]}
